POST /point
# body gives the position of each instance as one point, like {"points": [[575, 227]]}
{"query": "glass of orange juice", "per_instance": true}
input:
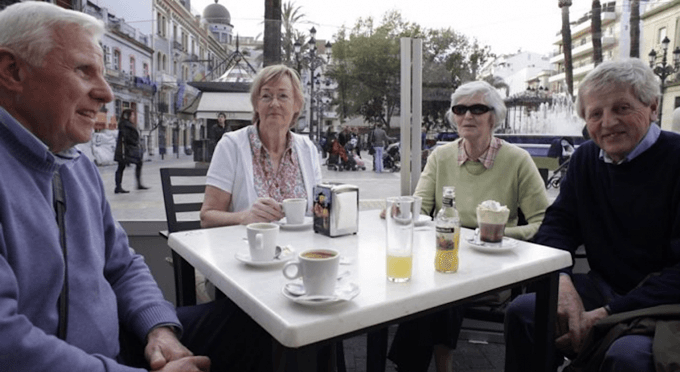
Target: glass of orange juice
{"points": [[400, 216]]}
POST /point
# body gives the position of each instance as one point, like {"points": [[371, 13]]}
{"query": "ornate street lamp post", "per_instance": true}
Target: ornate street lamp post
{"points": [[314, 61], [663, 69]]}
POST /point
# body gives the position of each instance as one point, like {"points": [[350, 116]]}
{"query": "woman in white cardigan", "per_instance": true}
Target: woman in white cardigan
{"points": [[254, 168]]}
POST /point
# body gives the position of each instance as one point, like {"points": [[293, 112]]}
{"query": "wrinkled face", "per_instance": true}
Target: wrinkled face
{"points": [[474, 127], [616, 120], [59, 101], [276, 104]]}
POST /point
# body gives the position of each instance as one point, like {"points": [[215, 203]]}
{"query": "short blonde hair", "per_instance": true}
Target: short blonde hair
{"points": [[274, 73]]}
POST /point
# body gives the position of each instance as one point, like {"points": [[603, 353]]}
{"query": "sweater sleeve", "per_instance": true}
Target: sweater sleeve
{"points": [[532, 199], [27, 348]]}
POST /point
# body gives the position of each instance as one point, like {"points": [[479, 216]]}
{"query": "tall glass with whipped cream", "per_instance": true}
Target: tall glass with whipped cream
{"points": [[491, 219]]}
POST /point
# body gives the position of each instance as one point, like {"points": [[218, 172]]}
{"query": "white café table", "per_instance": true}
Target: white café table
{"points": [[257, 290]]}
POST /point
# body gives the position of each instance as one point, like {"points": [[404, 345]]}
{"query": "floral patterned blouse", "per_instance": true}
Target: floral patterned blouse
{"points": [[278, 184]]}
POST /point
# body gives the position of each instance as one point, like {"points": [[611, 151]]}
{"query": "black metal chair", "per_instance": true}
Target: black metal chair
{"points": [[185, 281]]}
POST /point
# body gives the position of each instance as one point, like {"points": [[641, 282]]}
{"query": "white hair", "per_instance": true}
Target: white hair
{"points": [[29, 28]]}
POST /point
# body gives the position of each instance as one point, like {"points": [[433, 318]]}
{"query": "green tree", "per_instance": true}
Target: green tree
{"points": [[291, 15], [366, 67]]}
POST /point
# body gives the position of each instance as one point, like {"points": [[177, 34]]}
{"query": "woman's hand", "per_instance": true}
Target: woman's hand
{"points": [[263, 210]]}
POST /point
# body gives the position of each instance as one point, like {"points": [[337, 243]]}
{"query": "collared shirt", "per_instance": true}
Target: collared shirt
{"points": [[283, 183], [647, 141], [487, 158]]}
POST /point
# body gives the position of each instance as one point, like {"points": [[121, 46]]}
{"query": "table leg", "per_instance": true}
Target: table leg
{"points": [[376, 350], [546, 314], [306, 359], [185, 281]]}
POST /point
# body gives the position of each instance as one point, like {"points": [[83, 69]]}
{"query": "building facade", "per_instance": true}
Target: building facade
{"points": [[184, 51], [662, 19], [615, 18]]}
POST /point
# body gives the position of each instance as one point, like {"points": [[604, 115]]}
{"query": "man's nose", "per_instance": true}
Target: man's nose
{"points": [[102, 91]]}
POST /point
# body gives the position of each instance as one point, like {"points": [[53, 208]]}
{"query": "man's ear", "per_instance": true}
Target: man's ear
{"points": [[655, 110], [10, 76]]}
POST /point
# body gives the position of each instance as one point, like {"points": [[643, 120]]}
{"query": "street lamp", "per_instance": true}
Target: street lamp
{"points": [[664, 70], [314, 61]]}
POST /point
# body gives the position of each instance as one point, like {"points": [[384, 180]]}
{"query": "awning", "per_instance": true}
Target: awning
{"points": [[236, 105]]}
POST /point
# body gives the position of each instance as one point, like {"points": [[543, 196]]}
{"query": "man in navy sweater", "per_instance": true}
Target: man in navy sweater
{"points": [[621, 200]]}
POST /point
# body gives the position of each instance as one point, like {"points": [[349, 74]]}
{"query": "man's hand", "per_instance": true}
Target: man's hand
{"points": [[188, 364], [573, 322], [163, 347]]}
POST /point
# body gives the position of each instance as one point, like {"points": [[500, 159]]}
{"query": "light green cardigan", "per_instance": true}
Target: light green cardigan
{"points": [[513, 181]]}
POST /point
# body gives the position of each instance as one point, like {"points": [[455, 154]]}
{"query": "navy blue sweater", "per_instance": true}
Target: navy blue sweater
{"points": [[628, 218]]}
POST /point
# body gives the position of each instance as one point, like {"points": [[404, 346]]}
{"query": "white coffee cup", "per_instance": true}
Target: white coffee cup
{"points": [[262, 240], [295, 210], [318, 269]]}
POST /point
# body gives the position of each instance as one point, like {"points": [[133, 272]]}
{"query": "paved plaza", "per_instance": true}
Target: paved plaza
{"points": [[473, 353]]}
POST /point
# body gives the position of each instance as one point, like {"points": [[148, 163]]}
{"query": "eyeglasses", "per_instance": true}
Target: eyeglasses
{"points": [[474, 109], [281, 97]]}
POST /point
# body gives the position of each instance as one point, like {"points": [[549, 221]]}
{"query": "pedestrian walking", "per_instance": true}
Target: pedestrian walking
{"points": [[380, 140], [128, 150]]}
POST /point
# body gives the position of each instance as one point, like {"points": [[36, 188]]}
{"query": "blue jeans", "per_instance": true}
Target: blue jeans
{"points": [[628, 353], [378, 159]]}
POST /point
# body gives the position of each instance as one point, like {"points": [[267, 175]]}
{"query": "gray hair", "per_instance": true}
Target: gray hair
{"points": [[28, 28], [274, 73], [490, 95], [626, 72]]}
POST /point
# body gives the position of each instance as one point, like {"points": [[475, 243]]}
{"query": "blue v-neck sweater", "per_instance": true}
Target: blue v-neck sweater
{"points": [[628, 218], [107, 282]]}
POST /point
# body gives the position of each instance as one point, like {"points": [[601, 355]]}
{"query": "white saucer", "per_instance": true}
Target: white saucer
{"points": [[505, 245], [422, 220], [245, 258], [309, 221], [343, 293]]}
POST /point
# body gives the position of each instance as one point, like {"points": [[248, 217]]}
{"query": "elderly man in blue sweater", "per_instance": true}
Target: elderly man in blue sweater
{"points": [[621, 200], [69, 283]]}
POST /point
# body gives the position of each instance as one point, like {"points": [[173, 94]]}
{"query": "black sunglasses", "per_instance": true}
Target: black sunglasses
{"points": [[474, 109]]}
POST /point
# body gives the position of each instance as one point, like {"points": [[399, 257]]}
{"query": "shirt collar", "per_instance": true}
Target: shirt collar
{"points": [[487, 158], [256, 142], [647, 141]]}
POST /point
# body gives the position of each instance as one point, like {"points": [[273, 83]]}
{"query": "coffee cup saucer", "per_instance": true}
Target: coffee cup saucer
{"points": [[244, 257], [507, 244], [344, 292], [308, 222]]}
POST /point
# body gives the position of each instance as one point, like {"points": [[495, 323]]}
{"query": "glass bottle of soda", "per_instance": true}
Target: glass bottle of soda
{"points": [[447, 226]]}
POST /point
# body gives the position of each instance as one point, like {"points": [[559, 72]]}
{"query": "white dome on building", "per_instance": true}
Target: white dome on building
{"points": [[216, 13]]}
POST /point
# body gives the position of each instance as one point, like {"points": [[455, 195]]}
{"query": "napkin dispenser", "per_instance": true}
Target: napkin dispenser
{"points": [[336, 209]]}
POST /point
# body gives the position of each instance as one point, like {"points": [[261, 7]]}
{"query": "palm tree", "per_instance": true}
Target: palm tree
{"points": [[272, 32], [498, 83], [635, 28], [290, 16], [596, 31], [566, 45]]}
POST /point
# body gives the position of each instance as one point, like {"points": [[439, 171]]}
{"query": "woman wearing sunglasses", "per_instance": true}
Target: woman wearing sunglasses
{"points": [[480, 167]]}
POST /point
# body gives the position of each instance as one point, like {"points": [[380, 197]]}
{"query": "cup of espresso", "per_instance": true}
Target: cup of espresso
{"points": [[318, 269], [491, 218], [295, 210], [262, 238]]}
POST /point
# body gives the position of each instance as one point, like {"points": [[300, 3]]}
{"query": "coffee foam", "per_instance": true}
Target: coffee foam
{"points": [[491, 211]]}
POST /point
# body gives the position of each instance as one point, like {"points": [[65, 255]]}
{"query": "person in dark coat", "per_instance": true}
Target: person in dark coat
{"points": [[128, 150]]}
